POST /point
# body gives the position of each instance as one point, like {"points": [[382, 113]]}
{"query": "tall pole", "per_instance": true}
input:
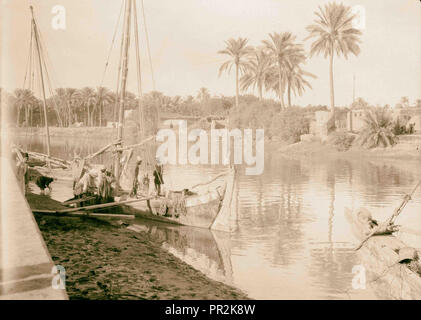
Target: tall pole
{"points": [[125, 63], [47, 132], [353, 89]]}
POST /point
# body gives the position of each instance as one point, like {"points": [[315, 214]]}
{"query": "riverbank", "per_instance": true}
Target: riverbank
{"points": [[105, 260], [318, 150], [91, 132]]}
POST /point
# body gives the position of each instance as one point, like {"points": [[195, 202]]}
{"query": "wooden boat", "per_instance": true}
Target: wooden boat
{"points": [[388, 277], [211, 207]]}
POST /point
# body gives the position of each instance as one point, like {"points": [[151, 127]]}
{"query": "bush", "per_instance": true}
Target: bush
{"points": [[343, 141], [288, 125]]}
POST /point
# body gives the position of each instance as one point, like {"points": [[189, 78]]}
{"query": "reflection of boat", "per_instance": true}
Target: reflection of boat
{"points": [[205, 250], [390, 278]]}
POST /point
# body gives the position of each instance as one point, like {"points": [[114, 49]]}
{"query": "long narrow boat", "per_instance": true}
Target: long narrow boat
{"points": [[386, 275], [210, 207]]}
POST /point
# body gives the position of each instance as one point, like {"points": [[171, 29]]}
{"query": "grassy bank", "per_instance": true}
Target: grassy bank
{"points": [[105, 260], [317, 149]]}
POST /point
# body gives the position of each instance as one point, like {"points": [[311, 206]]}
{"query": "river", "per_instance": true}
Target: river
{"points": [[291, 239]]}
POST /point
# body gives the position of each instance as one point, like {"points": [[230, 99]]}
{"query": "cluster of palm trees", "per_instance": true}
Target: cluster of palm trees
{"points": [[68, 106], [94, 107], [276, 65]]}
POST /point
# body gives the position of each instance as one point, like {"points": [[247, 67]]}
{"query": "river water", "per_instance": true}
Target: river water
{"points": [[291, 239]]}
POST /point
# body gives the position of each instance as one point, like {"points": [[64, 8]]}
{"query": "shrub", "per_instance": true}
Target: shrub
{"points": [[288, 125], [343, 141]]}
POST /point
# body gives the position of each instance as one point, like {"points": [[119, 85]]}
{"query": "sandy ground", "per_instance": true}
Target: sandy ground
{"points": [[105, 260]]}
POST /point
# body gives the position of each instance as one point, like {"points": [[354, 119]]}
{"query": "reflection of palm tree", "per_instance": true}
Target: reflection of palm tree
{"points": [[334, 33], [237, 50]]}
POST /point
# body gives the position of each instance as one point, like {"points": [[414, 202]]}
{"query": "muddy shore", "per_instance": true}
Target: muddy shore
{"points": [[105, 260]]}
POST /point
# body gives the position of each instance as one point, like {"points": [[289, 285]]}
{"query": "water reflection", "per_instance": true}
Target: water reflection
{"points": [[292, 239], [205, 250]]}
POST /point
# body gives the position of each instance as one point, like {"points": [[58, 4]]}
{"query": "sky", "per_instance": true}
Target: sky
{"points": [[185, 36]]}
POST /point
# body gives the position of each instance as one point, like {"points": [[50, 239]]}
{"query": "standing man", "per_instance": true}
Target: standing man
{"points": [[135, 186], [158, 177]]}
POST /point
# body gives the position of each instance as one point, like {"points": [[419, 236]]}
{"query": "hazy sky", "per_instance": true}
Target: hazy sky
{"points": [[185, 36]]}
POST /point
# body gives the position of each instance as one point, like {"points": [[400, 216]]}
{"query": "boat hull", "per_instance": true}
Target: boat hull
{"points": [[379, 256], [200, 210]]}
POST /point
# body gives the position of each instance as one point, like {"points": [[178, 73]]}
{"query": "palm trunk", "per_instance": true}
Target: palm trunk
{"points": [[69, 114], [237, 91], [18, 117], [100, 115], [332, 93], [260, 92], [280, 91], [89, 116], [289, 95]]}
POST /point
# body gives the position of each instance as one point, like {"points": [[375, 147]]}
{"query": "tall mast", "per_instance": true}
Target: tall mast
{"points": [[35, 30], [125, 60]]}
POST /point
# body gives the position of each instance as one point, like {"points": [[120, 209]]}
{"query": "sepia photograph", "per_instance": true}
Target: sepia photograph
{"points": [[203, 150]]}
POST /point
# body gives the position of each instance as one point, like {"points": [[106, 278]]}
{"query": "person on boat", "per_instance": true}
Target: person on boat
{"points": [[101, 182], [86, 185], [78, 169], [135, 186], [158, 174], [107, 192]]}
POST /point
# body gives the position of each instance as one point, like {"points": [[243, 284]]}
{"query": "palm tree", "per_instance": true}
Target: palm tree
{"points": [[238, 51], [282, 49], [295, 77], [203, 95], [257, 70], [86, 97], [71, 100], [23, 99], [103, 97], [61, 98], [334, 34], [378, 129]]}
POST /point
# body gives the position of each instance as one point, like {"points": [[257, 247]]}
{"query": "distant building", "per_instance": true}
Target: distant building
{"points": [[354, 120]]}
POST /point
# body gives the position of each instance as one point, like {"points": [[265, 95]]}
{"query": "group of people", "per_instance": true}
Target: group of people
{"points": [[101, 183], [141, 180], [88, 181]]}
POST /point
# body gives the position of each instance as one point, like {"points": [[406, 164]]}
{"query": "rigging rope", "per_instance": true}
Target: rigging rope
{"points": [[147, 44], [112, 43]]}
